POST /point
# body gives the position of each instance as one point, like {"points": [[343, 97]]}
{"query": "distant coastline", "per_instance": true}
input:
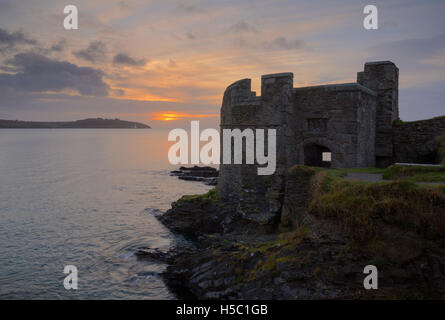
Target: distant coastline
{"points": [[92, 123]]}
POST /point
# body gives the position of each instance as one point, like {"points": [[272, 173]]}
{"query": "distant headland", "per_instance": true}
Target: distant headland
{"points": [[92, 123]]}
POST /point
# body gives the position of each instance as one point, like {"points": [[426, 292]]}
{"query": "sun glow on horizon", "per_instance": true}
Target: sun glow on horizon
{"points": [[172, 115]]}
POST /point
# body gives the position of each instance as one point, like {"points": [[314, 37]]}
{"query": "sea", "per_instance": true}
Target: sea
{"points": [[86, 198]]}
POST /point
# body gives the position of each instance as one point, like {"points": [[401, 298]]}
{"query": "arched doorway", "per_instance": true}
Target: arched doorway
{"points": [[316, 155]]}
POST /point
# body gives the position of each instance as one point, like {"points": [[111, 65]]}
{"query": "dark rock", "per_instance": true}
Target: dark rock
{"points": [[154, 254], [207, 175]]}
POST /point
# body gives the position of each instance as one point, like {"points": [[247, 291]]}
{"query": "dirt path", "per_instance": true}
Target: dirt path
{"points": [[359, 176]]}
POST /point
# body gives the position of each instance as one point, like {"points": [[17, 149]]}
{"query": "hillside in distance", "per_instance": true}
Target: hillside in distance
{"points": [[92, 123]]}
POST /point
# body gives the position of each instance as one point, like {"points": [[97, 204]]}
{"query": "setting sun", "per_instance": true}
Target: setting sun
{"points": [[171, 115]]}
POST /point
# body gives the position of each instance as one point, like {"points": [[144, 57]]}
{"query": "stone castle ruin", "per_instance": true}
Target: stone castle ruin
{"points": [[340, 126]]}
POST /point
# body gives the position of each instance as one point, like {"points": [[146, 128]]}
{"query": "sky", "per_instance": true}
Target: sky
{"points": [[167, 62]]}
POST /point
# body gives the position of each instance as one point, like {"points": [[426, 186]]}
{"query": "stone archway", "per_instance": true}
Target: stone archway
{"points": [[316, 155]]}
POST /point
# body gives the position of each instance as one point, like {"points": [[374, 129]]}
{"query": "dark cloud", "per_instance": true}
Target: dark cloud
{"points": [[59, 46], [282, 43], [125, 59], [122, 4], [189, 8], [241, 27], [191, 35], [96, 51], [37, 73], [9, 41]]}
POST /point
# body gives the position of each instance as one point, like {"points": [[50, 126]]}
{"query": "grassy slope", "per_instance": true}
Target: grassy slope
{"points": [[397, 172], [360, 205]]}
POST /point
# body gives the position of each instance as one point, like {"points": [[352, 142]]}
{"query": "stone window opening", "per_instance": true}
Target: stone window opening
{"points": [[326, 156], [316, 155]]}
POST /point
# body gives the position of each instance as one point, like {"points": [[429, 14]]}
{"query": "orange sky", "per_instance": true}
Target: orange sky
{"points": [[158, 61]]}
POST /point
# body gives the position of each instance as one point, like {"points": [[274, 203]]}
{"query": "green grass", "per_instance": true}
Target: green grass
{"points": [[360, 205], [415, 173], [396, 172], [210, 197], [341, 173]]}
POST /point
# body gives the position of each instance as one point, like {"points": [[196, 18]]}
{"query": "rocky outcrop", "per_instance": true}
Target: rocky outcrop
{"points": [[316, 250], [208, 175], [154, 254]]}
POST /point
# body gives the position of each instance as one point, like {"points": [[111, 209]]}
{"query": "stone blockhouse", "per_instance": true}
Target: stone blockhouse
{"points": [[340, 126]]}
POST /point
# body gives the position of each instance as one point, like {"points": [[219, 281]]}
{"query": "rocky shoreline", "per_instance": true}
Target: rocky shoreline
{"points": [[207, 175], [305, 255]]}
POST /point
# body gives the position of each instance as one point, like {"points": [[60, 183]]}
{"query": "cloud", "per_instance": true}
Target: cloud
{"points": [[9, 41], [172, 63], [282, 43], [96, 51], [191, 35], [125, 59], [241, 27], [189, 8], [59, 46], [37, 73], [123, 5]]}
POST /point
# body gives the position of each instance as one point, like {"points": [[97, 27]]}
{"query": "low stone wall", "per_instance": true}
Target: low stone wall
{"points": [[416, 142]]}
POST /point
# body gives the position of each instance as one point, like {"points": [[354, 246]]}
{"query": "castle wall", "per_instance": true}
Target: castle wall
{"points": [[338, 117], [351, 121], [241, 109], [415, 142]]}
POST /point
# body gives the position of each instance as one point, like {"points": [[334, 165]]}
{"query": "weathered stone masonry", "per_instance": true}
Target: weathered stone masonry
{"points": [[416, 142], [353, 122], [383, 79]]}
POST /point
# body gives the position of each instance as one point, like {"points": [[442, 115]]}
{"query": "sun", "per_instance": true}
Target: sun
{"points": [[172, 115]]}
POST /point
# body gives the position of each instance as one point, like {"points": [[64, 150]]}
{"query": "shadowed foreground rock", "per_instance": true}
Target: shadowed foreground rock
{"points": [[313, 253]]}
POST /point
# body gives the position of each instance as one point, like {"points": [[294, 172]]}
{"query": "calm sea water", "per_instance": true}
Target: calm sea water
{"points": [[85, 198]]}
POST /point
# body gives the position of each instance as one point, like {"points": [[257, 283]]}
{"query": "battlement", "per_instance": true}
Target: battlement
{"points": [[240, 92], [339, 87]]}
